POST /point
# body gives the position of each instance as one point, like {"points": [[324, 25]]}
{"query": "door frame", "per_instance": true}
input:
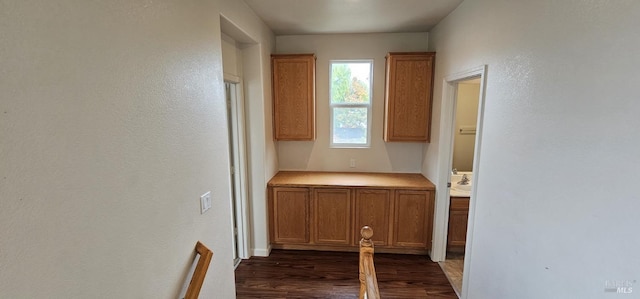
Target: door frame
{"points": [[449, 98], [240, 171]]}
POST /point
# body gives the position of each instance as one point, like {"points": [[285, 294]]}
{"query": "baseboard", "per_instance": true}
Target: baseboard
{"points": [[261, 251]]}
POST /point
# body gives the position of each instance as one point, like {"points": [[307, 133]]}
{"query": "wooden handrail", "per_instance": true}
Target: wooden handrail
{"points": [[199, 272], [368, 280]]}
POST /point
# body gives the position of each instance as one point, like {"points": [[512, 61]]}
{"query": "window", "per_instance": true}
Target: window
{"points": [[350, 102]]}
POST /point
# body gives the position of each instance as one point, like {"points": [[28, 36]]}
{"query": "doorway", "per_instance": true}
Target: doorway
{"points": [[444, 169], [237, 165], [467, 95]]}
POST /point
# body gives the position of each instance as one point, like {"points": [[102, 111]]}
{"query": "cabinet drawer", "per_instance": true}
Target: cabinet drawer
{"points": [[459, 203]]}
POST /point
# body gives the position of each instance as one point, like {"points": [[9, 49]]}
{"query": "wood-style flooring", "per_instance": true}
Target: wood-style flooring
{"points": [[318, 274]]}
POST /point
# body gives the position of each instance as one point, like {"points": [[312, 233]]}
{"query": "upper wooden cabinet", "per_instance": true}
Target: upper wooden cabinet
{"points": [[408, 92], [294, 96]]}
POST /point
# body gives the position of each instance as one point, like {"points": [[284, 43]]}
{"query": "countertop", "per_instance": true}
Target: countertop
{"points": [[415, 181], [456, 193]]}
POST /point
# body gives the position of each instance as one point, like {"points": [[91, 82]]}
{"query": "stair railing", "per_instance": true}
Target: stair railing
{"points": [[368, 280]]}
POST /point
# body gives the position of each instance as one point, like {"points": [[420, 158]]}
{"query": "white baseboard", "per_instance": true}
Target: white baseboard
{"points": [[261, 251]]}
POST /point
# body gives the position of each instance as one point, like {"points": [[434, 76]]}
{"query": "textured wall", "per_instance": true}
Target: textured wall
{"points": [[381, 156], [556, 212], [110, 117]]}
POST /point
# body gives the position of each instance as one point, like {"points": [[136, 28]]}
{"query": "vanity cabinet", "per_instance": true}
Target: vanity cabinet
{"points": [[408, 96], [458, 219], [293, 79], [326, 210]]}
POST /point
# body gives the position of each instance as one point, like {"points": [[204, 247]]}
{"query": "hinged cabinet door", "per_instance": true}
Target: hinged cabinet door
{"points": [[413, 219], [373, 208], [332, 216], [458, 218], [293, 78], [290, 215], [408, 92]]}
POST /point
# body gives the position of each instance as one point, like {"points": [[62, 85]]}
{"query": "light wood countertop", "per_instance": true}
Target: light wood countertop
{"points": [[415, 181]]}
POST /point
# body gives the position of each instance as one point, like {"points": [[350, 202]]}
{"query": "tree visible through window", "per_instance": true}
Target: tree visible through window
{"points": [[350, 103]]}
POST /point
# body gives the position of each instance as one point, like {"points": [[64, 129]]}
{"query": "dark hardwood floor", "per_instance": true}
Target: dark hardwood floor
{"points": [[318, 274]]}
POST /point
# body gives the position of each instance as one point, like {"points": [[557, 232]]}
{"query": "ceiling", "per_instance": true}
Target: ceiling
{"points": [[288, 17]]}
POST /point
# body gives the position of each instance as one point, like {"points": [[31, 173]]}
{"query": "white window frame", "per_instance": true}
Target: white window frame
{"points": [[351, 105]]}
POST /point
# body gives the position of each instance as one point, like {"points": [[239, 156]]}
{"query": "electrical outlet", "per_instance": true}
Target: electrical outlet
{"points": [[205, 202], [352, 163]]}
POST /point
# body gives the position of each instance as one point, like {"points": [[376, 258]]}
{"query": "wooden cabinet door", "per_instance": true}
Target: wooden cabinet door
{"points": [[458, 219], [290, 222], [332, 216], [293, 96], [413, 219], [373, 208], [408, 92]]}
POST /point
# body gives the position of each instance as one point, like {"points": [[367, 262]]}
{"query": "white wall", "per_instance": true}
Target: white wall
{"points": [[231, 56], [556, 212], [250, 61], [381, 156], [110, 120], [466, 116], [263, 159]]}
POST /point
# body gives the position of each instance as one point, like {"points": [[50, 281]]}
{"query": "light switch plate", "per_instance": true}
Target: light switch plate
{"points": [[205, 202]]}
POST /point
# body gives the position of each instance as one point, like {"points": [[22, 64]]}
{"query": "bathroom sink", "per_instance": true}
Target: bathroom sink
{"points": [[461, 190], [465, 188]]}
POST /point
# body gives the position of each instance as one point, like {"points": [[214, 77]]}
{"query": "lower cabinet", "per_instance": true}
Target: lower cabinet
{"points": [[332, 216], [327, 218], [413, 219], [290, 216], [373, 207], [458, 218]]}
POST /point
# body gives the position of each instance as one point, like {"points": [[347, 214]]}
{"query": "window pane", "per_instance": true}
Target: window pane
{"points": [[350, 82], [350, 125]]}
